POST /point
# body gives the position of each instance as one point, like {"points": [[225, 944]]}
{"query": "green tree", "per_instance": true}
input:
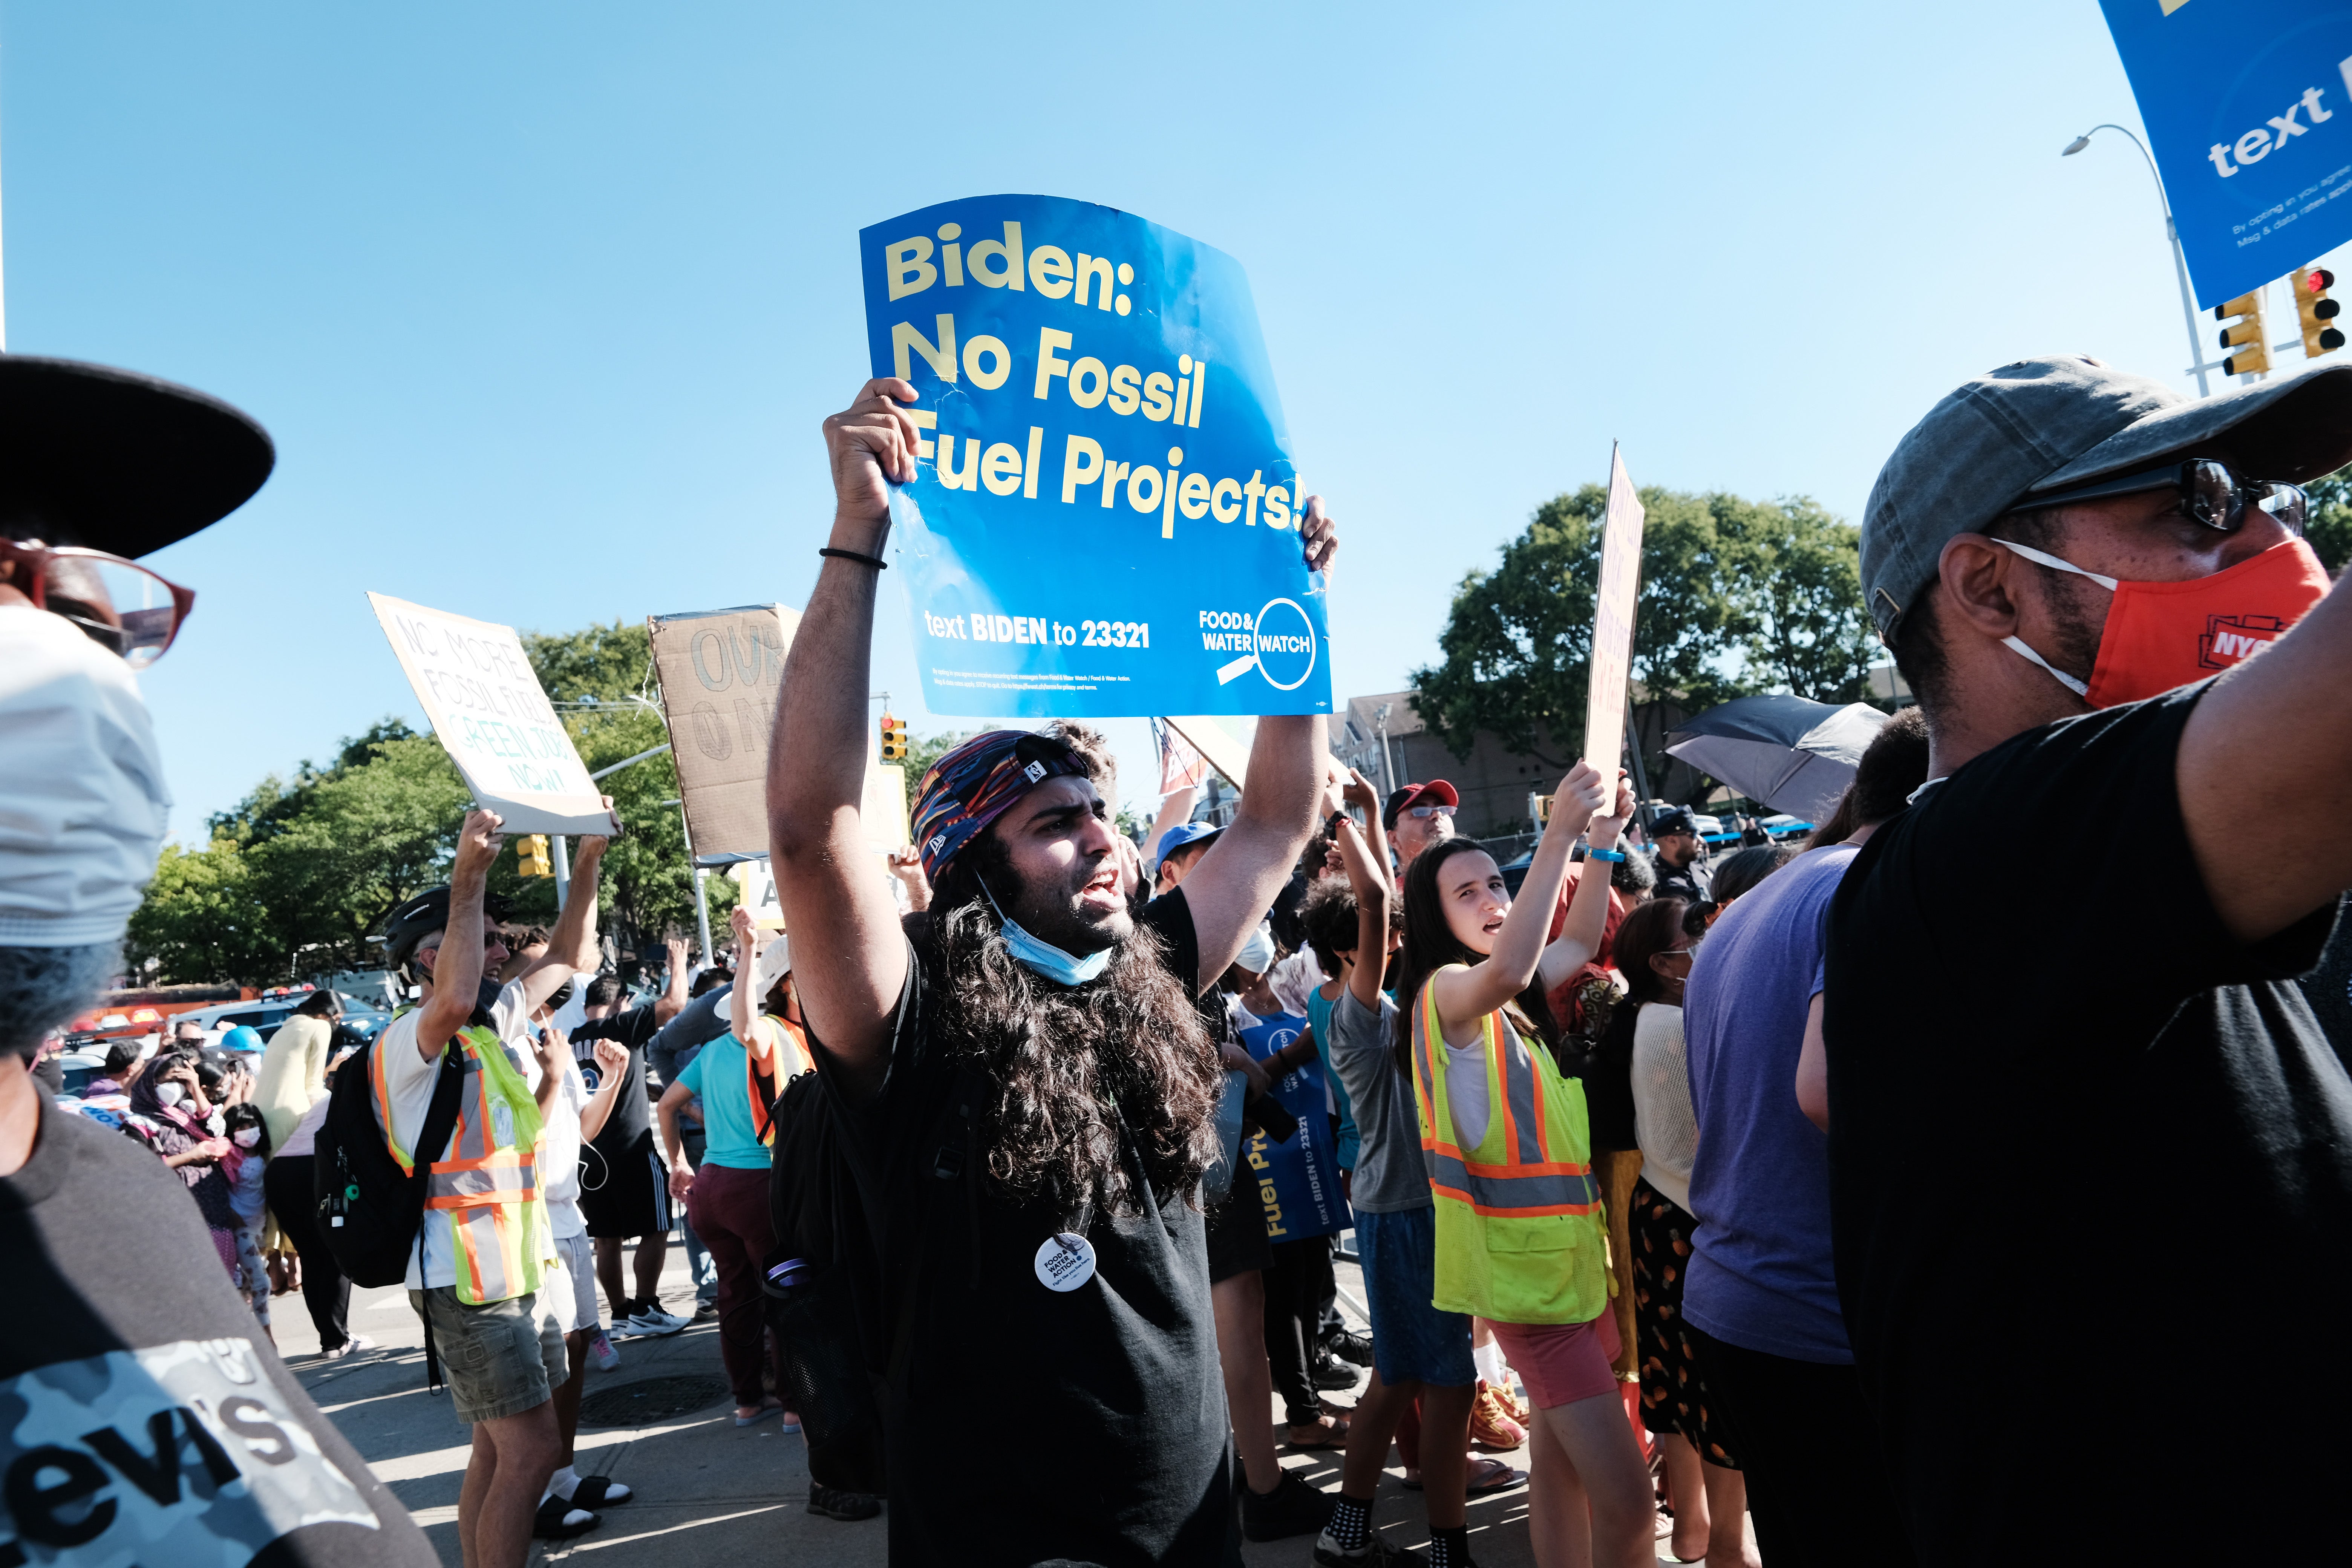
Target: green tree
{"points": [[1517, 643], [2329, 524], [1737, 597], [201, 920], [1800, 599]]}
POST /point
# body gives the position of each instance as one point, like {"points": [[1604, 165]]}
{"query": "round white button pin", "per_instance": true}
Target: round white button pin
{"points": [[1065, 1262]]}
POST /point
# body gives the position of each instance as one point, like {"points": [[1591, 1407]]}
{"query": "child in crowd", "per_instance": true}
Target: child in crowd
{"points": [[243, 1166], [1520, 1235]]}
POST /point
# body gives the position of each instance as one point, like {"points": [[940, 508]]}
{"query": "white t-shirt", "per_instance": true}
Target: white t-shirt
{"points": [[408, 1079], [559, 1145]]}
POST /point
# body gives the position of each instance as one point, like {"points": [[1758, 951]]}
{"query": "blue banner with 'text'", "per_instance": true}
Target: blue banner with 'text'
{"points": [[2248, 105], [1105, 519]]}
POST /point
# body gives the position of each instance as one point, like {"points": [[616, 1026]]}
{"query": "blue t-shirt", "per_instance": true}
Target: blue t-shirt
{"points": [[719, 1073], [1761, 1274]]}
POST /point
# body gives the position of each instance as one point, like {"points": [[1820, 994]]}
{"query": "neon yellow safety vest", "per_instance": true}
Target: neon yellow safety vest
{"points": [[1520, 1233], [488, 1179]]}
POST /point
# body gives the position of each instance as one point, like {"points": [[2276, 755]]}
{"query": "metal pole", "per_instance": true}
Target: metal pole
{"points": [[625, 761], [701, 893], [563, 868], [2172, 237]]}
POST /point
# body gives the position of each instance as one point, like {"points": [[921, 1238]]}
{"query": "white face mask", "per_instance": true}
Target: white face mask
{"points": [[248, 1137], [170, 1094]]}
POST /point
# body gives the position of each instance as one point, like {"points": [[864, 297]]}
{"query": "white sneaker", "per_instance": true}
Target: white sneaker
{"points": [[648, 1322], [601, 1353], [349, 1347]]}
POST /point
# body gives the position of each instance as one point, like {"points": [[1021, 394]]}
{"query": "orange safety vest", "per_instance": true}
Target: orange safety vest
{"points": [[1521, 1238], [487, 1180], [762, 1088]]}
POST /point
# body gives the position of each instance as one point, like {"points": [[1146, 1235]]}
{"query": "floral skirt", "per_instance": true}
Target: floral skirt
{"points": [[1673, 1394]]}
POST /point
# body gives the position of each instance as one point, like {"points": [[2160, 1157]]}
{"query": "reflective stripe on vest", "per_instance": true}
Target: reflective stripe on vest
{"points": [[1520, 1235], [1528, 1181], [487, 1182]]}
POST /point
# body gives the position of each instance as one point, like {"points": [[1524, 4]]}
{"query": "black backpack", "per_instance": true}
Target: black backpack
{"points": [[371, 1216]]}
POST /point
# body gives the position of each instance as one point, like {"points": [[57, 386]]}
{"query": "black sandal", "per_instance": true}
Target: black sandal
{"points": [[549, 1524], [595, 1492], [839, 1502]]}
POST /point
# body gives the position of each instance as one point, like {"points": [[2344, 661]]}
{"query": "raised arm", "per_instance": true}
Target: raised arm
{"points": [[1234, 884], [743, 1008], [1464, 994], [1175, 807], [673, 999], [853, 956], [1588, 911], [1370, 881], [571, 946], [458, 967], [612, 1073], [2272, 741]]}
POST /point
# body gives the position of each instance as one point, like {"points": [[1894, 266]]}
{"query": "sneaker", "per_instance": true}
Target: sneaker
{"points": [[1346, 1345], [349, 1347], [601, 1353], [706, 1312], [1292, 1507], [1378, 1553], [838, 1503], [650, 1311], [1491, 1423], [1330, 1376], [648, 1322]]}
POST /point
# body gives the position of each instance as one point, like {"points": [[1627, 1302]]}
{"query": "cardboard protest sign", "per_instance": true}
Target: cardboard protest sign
{"points": [[755, 886], [485, 706], [1613, 622], [1219, 745], [883, 813], [720, 673], [1104, 522]]}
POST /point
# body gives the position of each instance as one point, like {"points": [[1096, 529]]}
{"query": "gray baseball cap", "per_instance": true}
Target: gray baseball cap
{"points": [[2041, 425]]}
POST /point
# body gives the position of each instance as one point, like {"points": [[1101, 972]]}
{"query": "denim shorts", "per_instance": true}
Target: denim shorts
{"points": [[1413, 1341], [502, 1359]]}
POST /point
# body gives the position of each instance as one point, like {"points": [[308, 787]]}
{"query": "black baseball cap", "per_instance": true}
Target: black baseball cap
{"points": [[1678, 820], [2045, 423], [1436, 792]]}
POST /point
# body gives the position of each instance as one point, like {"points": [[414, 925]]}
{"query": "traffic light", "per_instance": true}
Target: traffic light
{"points": [[894, 739], [2248, 337], [1540, 807], [532, 851], [2317, 311]]}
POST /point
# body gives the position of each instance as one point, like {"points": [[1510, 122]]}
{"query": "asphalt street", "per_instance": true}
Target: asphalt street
{"points": [[706, 1491]]}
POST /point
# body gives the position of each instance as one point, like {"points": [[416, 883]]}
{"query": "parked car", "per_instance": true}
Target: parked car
{"points": [[265, 1014]]}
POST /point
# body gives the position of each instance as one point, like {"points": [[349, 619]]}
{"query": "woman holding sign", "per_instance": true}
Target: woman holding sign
{"points": [[1521, 1238]]}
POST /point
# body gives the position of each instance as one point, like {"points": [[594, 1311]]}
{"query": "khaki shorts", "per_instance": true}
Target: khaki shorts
{"points": [[573, 1284], [502, 1359]]}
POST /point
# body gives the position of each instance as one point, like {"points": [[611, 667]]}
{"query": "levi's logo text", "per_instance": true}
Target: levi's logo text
{"points": [[1102, 456], [178, 1453]]}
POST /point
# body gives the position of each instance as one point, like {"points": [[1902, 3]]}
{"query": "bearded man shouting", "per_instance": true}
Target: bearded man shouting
{"points": [[1024, 1087]]}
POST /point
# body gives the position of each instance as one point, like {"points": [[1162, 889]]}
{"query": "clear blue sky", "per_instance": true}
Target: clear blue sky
{"points": [[543, 303]]}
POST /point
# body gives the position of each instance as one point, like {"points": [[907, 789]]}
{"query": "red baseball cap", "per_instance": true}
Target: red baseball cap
{"points": [[1436, 792]]}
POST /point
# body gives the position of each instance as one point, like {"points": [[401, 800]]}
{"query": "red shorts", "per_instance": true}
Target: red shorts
{"points": [[1563, 1362]]}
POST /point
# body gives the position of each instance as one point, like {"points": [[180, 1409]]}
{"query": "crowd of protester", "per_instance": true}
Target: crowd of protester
{"points": [[1688, 1175]]}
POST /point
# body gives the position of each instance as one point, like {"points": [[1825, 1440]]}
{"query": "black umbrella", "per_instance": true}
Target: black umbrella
{"points": [[1793, 755]]}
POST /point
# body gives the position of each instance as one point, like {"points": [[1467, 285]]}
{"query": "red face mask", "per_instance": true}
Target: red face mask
{"points": [[2163, 635]]}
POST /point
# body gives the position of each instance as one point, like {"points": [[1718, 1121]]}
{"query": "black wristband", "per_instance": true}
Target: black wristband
{"points": [[1331, 823], [874, 560]]}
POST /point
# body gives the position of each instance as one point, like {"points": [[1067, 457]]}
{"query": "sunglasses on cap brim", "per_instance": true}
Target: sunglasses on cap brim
{"points": [[2213, 495]]}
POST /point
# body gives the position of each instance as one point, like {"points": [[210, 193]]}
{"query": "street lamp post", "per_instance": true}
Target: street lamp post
{"points": [[2172, 236]]}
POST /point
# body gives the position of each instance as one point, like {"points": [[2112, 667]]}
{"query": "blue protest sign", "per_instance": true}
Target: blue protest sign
{"points": [[1298, 1178], [1105, 520], [2248, 105]]}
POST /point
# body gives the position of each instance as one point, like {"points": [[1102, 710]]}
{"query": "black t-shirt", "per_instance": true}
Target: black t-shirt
{"points": [[1106, 1431], [629, 1120], [145, 1419], [2091, 1164]]}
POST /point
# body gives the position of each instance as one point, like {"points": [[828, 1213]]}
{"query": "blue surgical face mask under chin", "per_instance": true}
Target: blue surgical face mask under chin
{"points": [[1040, 957]]}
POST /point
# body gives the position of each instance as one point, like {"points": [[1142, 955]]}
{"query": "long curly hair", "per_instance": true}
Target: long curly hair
{"points": [[1064, 1065]]}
